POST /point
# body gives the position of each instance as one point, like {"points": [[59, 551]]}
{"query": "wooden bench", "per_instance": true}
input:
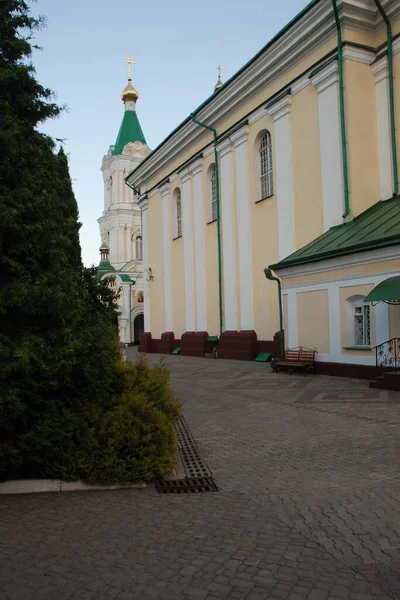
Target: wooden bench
{"points": [[296, 358]]}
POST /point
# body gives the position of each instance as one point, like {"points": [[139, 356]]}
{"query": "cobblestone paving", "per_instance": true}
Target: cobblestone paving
{"points": [[308, 507]]}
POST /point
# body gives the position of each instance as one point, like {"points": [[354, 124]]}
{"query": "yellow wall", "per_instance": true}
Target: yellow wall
{"points": [[156, 262], [346, 292], [362, 140], [306, 166], [313, 320]]}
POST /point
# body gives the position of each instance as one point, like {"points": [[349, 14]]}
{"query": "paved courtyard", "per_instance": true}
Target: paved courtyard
{"points": [[308, 506]]}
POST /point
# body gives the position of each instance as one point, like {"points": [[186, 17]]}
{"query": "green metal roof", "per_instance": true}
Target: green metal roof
{"points": [[126, 277], [130, 131], [376, 227], [388, 290], [105, 266]]}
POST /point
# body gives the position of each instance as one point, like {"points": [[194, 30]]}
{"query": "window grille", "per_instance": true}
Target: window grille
{"points": [[267, 176]]}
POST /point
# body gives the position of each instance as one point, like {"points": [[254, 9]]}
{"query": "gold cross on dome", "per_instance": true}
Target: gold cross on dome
{"points": [[219, 69], [130, 62]]}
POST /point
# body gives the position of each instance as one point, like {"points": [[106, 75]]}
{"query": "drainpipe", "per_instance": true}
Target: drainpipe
{"points": [[391, 97], [342, 115], [214, 132], [271, 277]]}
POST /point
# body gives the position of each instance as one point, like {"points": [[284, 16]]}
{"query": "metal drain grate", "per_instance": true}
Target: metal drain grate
{"points": [[192, 463], [194, 485], [198, 475]]}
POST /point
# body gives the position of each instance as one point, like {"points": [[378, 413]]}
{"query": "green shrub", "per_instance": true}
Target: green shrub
{"points": [[134, 440]]}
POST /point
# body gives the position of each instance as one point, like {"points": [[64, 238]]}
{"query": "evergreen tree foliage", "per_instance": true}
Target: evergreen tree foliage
{"points": [[62, 382]]}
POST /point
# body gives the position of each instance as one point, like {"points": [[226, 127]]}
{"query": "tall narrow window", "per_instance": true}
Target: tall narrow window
{"points": [[213, 195], [362, 329], [178, 213], [266, 171], [139, 248]]}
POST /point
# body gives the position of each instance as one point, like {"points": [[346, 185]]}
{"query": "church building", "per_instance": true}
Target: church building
{"points": [[120, 224], [271, 214]]}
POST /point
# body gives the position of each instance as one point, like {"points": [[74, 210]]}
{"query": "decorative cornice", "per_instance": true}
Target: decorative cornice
{"points": [[239, 137], [306, 35], [143, 202], [300, 84], [208, 151], [357, 54], [257, 115], [224, 147], [196, 167], [380, 69], [164, 189], [281, 108], [326, 77], [185, 175]]}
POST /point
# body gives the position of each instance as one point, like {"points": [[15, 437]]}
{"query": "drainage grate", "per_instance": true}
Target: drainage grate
{"points": [[193, 485], [198, 475], [192, 463]]}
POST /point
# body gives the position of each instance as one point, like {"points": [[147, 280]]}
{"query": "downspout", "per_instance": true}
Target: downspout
{"points": [[271, 277], [214, 132], [342, 114], [391, 97]]}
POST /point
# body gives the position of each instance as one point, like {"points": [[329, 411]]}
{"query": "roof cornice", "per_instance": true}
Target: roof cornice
{"points": [[307, 32]]}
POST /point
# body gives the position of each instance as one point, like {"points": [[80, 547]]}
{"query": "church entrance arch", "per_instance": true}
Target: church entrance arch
{"points": [[137, 320]]}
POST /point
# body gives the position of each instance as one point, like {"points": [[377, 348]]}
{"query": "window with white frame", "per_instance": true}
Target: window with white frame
{"points": [[177, 199], [139, 248], [266, 169], [213, 194], [179, 214], [362, 326]]}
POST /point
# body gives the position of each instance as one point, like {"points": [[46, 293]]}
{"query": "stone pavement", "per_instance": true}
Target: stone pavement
{"points": [[307, 508]]}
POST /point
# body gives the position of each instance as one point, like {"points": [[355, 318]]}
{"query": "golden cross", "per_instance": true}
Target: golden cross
{"points": [[219, 69], [130, 62]]}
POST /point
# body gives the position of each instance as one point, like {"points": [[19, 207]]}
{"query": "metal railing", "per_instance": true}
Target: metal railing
{"points": [[388, 354]]}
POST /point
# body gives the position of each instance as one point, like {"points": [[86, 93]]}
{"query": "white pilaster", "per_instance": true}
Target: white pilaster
{"points": [[228, 244], [292, 337], [382, 323], [199, 248], [240, 140], [165, 195], [187, 233], [381, 73], [327, 83], [284, 179], [143, 205]]}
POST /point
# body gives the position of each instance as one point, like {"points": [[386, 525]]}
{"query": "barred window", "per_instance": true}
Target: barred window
{"points": [[362, 328], [178, 213], [266, 172], [213, 195]]}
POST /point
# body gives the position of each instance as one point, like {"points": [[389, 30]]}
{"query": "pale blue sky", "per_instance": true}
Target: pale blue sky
{"points": [[177, 46]]}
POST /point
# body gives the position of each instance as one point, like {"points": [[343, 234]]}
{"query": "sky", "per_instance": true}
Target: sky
{"points": [[177, 46]]}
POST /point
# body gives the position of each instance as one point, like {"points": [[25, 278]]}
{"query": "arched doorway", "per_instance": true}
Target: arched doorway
{"points": [[138, 327]]}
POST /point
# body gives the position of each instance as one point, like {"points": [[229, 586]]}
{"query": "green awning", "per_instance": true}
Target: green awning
{"points": [[387, 291]]}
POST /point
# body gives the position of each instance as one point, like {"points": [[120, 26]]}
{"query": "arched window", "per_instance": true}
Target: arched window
{"points": [[212, 213], [139, 248], [266, 170], [177, 199]]}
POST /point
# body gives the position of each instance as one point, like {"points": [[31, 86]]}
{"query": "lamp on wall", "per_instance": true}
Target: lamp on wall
{"points": [[150, 275]]}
